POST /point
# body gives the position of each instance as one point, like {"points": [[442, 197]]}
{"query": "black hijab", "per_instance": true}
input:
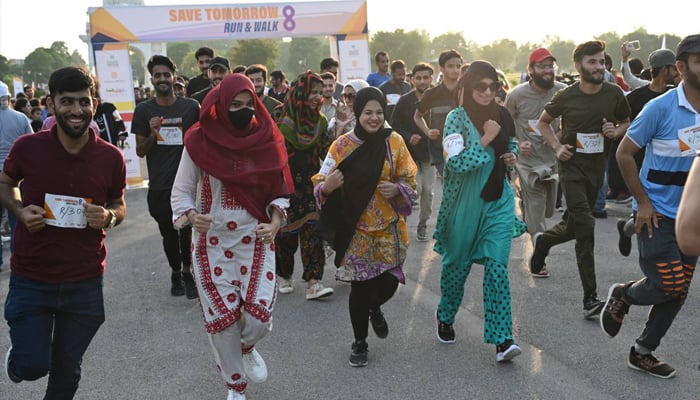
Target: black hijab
{"points": [[361, 172], [479, 114]]}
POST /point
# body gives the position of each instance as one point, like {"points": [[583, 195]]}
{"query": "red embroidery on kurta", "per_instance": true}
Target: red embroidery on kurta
{"points": [[232, 225], [228, 254], [218, 271]]}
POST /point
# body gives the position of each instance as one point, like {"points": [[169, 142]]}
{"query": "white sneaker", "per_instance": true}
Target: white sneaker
{"points": [[255, 368], [234, 395], [317, 291], [286, 285], [508, 353]]}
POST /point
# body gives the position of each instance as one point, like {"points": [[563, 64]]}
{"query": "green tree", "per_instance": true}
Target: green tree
{"points": [[501, 54], [303, 53], [255, 51], [449, 41], [411, 46], [178, 51]]}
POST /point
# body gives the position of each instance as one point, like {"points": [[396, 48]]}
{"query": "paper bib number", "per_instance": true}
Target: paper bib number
{"points": [[65, 211], [589, 143], [532, 128], [452, 145], [170, 136], [689, 140], [327, 166]]}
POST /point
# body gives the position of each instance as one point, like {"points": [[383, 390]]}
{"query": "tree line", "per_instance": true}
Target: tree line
{"points": [[299, 54]]}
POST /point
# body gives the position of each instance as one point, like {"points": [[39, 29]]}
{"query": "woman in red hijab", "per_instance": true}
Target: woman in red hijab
{"points": [[233, 187]]}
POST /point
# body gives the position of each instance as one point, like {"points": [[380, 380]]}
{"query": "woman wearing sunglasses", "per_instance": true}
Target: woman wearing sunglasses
{"points": [[477, 219], [344, 120]]}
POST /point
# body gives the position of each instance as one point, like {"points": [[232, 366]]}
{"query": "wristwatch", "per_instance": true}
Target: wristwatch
{"points": [[112, 220]]}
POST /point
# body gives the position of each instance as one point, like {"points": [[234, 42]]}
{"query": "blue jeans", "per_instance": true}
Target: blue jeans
{"points": [[51, 326]]}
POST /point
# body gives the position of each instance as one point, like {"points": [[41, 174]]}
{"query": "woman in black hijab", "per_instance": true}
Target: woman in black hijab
{"points": [[365, 190], [477, 219]]}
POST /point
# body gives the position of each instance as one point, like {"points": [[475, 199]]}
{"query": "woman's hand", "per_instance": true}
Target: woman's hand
{"points": [[491, 130], [267, 232], [333, 181], [201, 222], [388, 189], [509, 159]]}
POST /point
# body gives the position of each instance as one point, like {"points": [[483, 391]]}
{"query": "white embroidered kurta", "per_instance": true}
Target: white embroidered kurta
{"points": [[232, 268]]}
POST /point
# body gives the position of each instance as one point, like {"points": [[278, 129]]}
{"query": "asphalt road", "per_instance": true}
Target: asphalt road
{"points": [[154, 346]]}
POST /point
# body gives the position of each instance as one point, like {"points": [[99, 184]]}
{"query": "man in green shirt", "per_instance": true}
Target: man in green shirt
{"points": [[593, 113]]}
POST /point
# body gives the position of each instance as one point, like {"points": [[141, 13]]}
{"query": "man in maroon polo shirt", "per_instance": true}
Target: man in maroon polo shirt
{"points": [[73, 191]]}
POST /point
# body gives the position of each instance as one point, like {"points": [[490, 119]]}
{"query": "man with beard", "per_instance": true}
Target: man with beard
{"points": [[218, 69], [55, 303], [536, 165], [664, 76], [329, 103], [395, 87], [669, 127], [258, 74], [417, 142], [203, 55], [593, 112], [159, 126]]}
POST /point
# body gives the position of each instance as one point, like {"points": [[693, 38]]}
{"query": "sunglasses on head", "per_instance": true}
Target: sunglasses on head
{"points": [[482, 86]]}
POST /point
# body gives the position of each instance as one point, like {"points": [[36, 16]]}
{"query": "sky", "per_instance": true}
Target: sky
{"points": [[38, 23]]}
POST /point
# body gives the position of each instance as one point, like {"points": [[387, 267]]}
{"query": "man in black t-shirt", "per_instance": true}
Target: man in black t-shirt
{"points": [[437, 102], [201, 81], [160, 125]]}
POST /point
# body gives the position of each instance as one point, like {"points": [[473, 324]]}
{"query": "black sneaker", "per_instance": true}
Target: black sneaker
{"points": [[650, 364], [445, 332], [358, 354], [592, 307], [624, 243], [176, 288], [538, 256], [614, 312], [190, 286], [379, 325], [8, 372]]}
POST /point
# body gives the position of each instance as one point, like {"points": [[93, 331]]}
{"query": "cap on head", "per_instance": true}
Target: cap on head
{"points": [[661, 58], [221, 62], [4, 90], [689, 44], [540, 54]]}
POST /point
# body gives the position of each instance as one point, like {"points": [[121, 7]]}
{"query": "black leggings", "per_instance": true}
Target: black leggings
{"points": [[366, 295]]}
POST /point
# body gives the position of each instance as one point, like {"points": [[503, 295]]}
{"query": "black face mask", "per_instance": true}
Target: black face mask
{"points": [[241, 118]]}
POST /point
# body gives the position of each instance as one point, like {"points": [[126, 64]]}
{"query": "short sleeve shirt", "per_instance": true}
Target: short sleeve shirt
{"points": [[97, 173], [665, 167], [164, 157], [583, 113]]}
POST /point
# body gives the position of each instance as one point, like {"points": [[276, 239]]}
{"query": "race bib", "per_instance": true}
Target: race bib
{"points": [[170, 135], [327, 166], [532, 128], [65, 211], [590, 143], [689, 140], [392, 99], [452, 145]]}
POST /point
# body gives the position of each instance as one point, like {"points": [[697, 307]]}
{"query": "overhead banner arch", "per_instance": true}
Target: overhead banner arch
{"points": [[112, 29]]}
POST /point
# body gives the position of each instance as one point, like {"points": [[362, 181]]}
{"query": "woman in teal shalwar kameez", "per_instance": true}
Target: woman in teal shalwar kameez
{"points": [[477, 218]]}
